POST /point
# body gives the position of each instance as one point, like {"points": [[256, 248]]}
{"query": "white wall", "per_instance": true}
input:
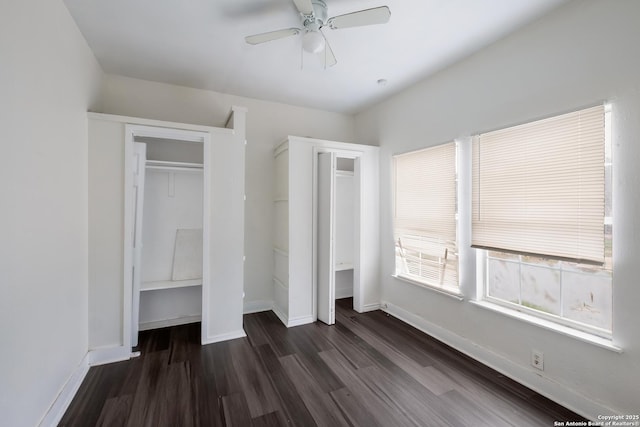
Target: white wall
{"points": [[268, 123], [48, 80], [164, 212], [344, 233], [106, 225], [584, 53], [224, 303], [345, 219]]}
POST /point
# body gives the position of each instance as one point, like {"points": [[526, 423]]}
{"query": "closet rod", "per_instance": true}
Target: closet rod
{"points": [[177, 166], [174, 168]]}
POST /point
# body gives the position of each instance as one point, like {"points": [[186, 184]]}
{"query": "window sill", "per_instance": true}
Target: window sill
{"points": [[446, 292], [552, 326]]}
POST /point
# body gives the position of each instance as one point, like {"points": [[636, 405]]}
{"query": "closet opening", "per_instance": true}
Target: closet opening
{"points": [[344, 228], [337, 231], [168, 238]]}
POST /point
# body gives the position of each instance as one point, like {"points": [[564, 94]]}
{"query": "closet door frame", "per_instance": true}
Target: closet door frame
{"points": [[131, 132], [139, 173], [358, 181], [326, 237]]}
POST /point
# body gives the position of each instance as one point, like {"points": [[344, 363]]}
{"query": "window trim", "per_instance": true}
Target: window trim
{"points": [[443, 291], [569, 331]]}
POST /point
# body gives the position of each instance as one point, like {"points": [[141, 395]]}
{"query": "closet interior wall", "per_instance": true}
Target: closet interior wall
{"points": [[344, 228], [171, 273]]}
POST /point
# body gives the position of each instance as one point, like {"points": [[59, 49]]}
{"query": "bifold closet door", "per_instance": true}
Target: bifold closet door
{"points": [[326, 231]]}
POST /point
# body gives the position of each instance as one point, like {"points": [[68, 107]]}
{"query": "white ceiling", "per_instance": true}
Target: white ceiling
{"points": [[200, 44]]}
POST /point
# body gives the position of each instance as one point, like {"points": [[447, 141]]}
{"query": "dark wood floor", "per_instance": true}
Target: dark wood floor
{"points": [[366, 370]]}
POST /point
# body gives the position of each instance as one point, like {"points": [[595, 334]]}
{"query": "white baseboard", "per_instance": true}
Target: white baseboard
{"points": [[370, 307], [290, 322], [256, 306], [66, 395], [102, 356], [283, 317], [301, 320], [539, 383], [169, 322], [344, 293], [224, 337]]}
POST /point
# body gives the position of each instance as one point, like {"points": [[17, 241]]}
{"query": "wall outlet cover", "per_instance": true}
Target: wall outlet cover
{"points": [[537, 359]]}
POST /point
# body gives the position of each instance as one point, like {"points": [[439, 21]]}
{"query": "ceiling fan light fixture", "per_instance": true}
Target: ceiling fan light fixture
{"points": [[314, 17], [313, 42]]}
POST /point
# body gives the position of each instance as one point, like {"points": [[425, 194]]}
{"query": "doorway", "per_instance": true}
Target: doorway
{"points": [[337, 231], [167, 241]]}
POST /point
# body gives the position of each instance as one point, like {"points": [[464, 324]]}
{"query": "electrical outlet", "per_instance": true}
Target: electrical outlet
{"points": [[537, 359]]}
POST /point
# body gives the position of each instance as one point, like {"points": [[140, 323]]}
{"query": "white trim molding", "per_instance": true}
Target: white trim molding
{"points": [[300, 320], [257, 306], [158, 123], [550, 325], [370, 307], [278, 312], [66, 395], [224, 337], [529, 377], [290, 322], [165, 323], [102, 356]]}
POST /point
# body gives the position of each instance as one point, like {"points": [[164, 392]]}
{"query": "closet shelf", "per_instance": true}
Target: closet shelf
{"points": [[169, 284], [281, 251], [343, 266]]}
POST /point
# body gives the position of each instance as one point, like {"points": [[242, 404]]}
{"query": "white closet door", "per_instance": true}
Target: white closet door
{"points": [[139, 161], [326, 218]]}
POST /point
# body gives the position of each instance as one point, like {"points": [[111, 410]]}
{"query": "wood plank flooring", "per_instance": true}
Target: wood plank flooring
{"points": [[366, 370]]}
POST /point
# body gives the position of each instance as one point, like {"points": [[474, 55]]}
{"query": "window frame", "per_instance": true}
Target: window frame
{"points": [[482, 260], [418, 280]]}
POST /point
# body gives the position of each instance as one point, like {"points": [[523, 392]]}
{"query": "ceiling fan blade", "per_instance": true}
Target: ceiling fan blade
{"points": [[377, 15], [326, 56], [271, 35], [304, 6]]}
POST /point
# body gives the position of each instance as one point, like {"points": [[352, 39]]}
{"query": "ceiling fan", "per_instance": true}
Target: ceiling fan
{"points": [[314, 18]]}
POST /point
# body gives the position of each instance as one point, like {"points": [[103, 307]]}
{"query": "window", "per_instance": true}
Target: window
{"points": [[425, 217], [541, 212]]}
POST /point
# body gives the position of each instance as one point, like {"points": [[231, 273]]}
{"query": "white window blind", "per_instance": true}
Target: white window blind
{"points": [[425, 215], [538, 188]]}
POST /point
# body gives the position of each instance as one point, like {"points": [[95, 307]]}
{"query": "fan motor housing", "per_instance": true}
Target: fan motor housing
{"points": [[320, 15]]}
